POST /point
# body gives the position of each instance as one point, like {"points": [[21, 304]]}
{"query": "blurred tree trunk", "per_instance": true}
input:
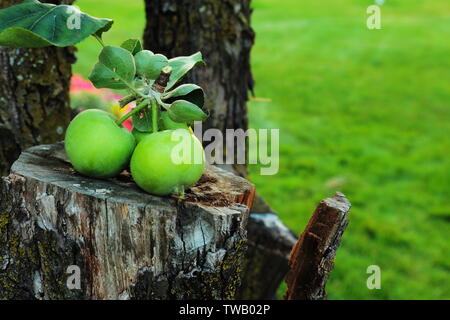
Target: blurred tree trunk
{"points": [[221, 30], [34, 96]]}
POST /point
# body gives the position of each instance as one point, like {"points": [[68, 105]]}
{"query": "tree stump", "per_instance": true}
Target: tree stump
{"points": [[126, 243]]}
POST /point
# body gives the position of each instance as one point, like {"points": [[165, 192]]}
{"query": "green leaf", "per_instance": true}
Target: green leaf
{"points": [[32, 24], [169, 124], [142, 121], [132, 45], [115, 69], [185, 111], [188, 92], [149, 65], [181, 66]]}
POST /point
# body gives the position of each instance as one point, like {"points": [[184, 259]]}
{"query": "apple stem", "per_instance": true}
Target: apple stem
{"points": [[179, 191], [163, 79], [155, 110], [134, 111], [126, 100]]}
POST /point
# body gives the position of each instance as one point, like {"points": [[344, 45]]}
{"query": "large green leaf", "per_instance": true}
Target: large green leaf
{"points": [[181, 66], [115, 69], [189, 92], [185, 111], [32, 24]]}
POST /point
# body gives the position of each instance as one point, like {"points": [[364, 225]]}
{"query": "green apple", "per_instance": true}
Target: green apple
{"points": [[167, 162], [97, 146]]}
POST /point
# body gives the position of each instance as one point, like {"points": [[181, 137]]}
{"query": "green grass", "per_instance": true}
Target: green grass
{"points": [[361, 111]]}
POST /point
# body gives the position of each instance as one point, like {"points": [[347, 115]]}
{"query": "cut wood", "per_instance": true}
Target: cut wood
{"points": [[127, 244], [312, 258]]}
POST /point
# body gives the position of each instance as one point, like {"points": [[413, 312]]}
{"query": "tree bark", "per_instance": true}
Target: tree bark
{"points": [[127, 244], [221, 30], [34, 96], [312, 258]]}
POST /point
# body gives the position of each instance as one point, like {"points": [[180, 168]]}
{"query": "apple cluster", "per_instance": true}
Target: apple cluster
{"points": [[97, 145]]}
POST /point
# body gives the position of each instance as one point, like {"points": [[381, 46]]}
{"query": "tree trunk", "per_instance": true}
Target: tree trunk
{"points": [[221, 30], [34, 97], [126, 243]]}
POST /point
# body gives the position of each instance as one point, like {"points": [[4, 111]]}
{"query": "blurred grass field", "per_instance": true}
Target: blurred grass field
{"points": [[362, 111]]}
